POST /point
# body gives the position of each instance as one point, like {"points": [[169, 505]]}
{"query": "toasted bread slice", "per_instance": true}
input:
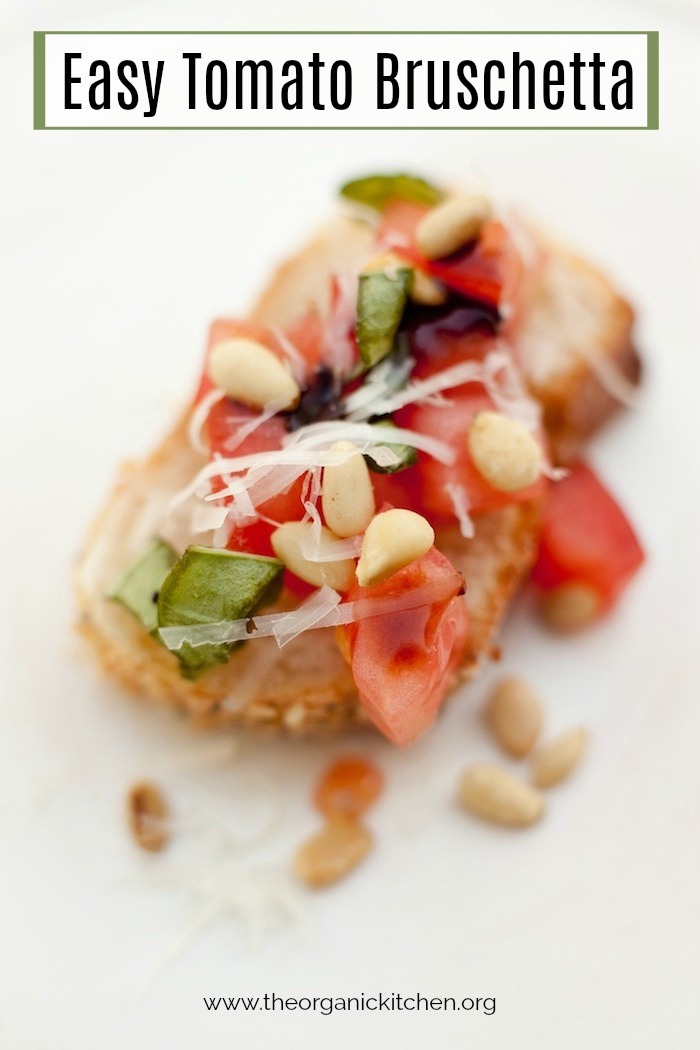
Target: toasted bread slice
{"points": [[307, 685]]}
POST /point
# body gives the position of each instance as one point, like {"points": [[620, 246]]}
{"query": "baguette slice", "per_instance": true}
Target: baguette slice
{"points": [[580, 321]]}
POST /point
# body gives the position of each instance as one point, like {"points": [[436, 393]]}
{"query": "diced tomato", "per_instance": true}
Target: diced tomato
{"points": [[440, 340], [489, 270], [227, 417], [400, 490], [402, 662], [586, 538], [297, 586], [306, 336], [450, 424], [225, 420], [252, 539], [224, 328]]}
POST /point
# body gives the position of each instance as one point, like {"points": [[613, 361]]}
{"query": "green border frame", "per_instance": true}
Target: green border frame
{"points": [[652, 124]]}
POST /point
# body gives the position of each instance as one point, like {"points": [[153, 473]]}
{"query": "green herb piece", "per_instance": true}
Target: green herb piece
{"points": [[408, 456], [376, 191], [208, 585], [381, 299], [138, 589]]}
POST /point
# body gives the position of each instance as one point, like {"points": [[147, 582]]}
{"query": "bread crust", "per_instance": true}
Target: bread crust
{"points": [[307, 686], [575, 306]]}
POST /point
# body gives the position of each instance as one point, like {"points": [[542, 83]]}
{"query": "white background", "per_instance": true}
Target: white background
{"points": [[116, 251], [360, 52]]}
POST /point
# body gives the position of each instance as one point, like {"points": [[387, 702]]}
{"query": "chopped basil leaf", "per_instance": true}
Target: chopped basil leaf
{"points": [[138, 588], [381, 299], [408, 456], [377, 190], [207, 585]]}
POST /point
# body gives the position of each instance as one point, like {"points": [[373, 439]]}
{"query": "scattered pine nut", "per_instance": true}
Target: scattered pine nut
{"points": [[504, 451], [514, 714], [394, 539], [570, 606], [452, 224], [493, 794], [286, 542], [249, 372], [555, 760], [348, 495], [147, 813], [332, 853]]}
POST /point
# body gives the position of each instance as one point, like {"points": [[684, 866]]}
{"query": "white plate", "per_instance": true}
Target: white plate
{"points": [[116, 252]]}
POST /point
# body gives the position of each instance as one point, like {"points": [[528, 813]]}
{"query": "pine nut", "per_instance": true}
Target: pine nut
{"points": [[147, 813], [514, 714], [493, 794], [286, 542], [424, 289], [393, 540], [348, 495], [332, 853], [557, 759], [452, 224], [247, 371], [504, 451], [570, 606]]}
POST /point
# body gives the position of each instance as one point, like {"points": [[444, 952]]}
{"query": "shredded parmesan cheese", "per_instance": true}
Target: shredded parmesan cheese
{"points": [[332, 613], [296, 362], [460, 503], [319, 548], [199, 416]]}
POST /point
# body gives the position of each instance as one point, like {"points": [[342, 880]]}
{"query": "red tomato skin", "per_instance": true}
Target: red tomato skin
{"points": [[451, 425], [402, 489], [225, 328], [297, 586], [306, 335], [252, 539], [402, 663], [490, 271], [225, 418], [586, 538]]}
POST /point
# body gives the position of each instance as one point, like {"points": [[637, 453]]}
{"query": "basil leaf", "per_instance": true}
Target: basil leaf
{"points": [[377, 190], [207, 585], [381, 299], [138, 588], [408, 456]]}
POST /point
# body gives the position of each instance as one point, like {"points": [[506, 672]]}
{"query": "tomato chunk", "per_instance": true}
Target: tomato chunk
{"points": [[489, 269], [227, 418], [402, 662], [586, 538], [450, 424], [224, 328], [300, 344], [225, 421]]}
